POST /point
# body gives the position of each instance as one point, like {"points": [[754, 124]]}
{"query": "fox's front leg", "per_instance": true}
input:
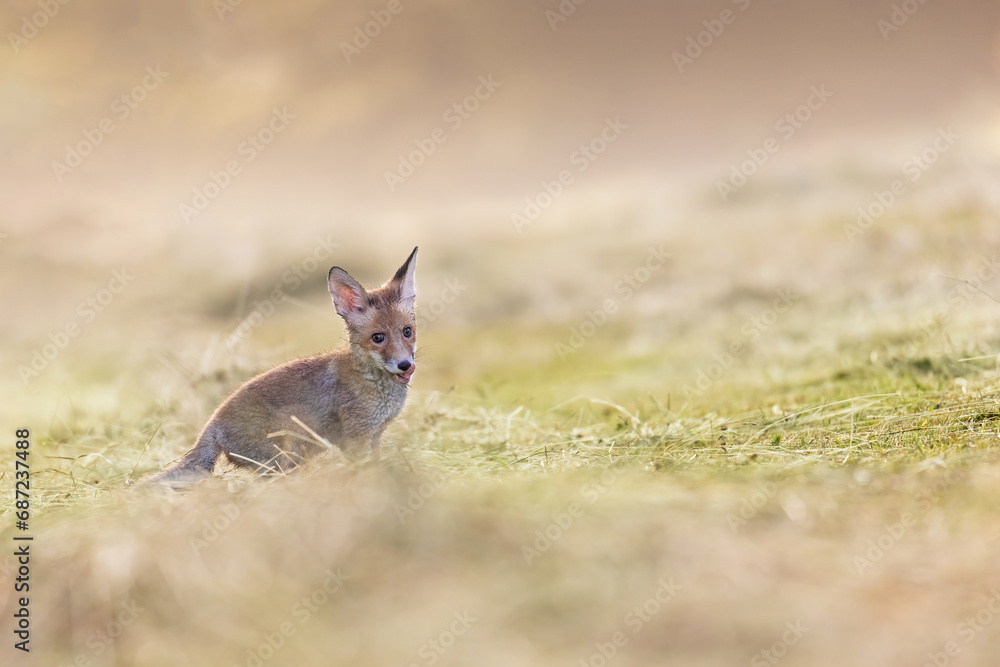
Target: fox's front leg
{"points": [[362, 446], [374, 444]]}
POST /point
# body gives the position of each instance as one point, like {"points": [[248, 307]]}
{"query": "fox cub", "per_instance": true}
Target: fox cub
{"points": [[347, 396]]}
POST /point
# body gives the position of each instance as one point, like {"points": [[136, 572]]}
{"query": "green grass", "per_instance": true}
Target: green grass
{"points": [[546, 525], [837, 476]]}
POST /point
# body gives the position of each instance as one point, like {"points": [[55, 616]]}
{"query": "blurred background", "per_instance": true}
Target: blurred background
{"points": [[187, 89], [693, 107], [177, 179]]}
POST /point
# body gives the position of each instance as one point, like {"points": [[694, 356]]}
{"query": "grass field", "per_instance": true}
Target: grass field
{"points": [[709, 364], [769, 450]]}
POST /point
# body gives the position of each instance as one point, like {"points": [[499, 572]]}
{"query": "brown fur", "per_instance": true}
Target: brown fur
{"points": [[347, 396]]}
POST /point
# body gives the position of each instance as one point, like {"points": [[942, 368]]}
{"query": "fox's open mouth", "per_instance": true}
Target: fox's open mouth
{"points": [[404, 377]]}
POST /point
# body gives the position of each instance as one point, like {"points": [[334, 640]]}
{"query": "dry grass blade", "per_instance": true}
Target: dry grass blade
{"points": [[316, 436], [257, 464]]}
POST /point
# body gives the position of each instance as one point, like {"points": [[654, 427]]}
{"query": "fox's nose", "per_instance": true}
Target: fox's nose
{"points": [[404, 365]]}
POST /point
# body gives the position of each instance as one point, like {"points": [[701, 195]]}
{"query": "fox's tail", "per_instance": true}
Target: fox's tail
{"points": [[190, 468]]}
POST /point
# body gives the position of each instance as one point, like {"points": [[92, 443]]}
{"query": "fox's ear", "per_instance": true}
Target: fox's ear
{"points": [[403, 281], [349, 296]]}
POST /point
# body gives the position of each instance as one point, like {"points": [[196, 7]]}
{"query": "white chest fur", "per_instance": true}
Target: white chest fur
{"points": [[388, 403]]}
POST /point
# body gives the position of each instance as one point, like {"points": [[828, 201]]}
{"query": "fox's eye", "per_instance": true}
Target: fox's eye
{"points": [[378, 337], [407, 332]]}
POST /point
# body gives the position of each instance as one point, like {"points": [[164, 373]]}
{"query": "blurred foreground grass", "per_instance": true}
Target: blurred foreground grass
{"points": [[643, 500]]}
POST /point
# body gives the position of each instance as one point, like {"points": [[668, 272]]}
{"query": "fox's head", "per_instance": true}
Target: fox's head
{"points": [[380, 322]]}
